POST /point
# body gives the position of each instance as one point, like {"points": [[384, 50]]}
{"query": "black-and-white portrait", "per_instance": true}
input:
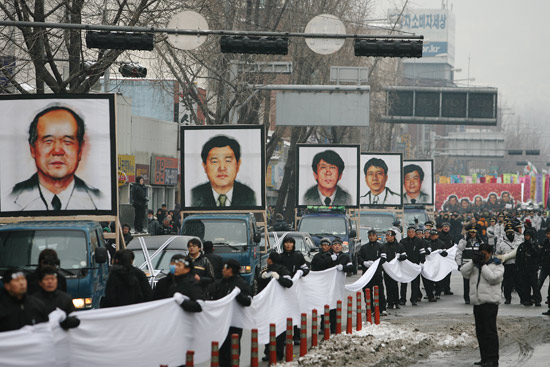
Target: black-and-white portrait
{"points": [[327, 175], [57, 155], [418, 182], [223, 167], [381, 179]]}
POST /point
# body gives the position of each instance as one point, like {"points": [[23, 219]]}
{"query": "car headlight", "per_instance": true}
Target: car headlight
{"points": [[82, 303], [246, 269]]}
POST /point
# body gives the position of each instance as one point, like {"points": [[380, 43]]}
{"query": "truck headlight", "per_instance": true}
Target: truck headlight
{"points": [[82, 303], [246, 269], [345, 246]]}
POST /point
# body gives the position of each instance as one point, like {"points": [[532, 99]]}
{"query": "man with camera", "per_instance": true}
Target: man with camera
{"points": [[485, 274]]}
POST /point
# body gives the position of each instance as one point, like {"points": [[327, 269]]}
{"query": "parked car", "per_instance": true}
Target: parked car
{"points": [[304, 243], [412, 214], [160, 251], [379, 221]]}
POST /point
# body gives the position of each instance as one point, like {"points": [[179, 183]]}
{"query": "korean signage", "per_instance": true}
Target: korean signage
{"points": [[127, 164], [438, 28], [165, 171], [143, 171]]}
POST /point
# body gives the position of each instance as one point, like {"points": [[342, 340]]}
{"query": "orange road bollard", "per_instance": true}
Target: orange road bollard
{"points": [[272, 345], [189, 358], [215, 357], [303, 335], [289, 340], [368, 305], [376, 306], [349, 321], [314, 328], [359, 312], [235, 350], [326, 323], [339, 317], [254, 348]]}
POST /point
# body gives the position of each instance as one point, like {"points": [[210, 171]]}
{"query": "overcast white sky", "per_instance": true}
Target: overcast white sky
{"points": [[508, 45]]}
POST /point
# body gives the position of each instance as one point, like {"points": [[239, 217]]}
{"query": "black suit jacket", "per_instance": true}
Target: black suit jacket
{"points": [[311, 197], [202, 196]]}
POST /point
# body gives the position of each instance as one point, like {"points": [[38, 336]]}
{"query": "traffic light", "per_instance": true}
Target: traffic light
{"points": [[120, 41], [532, 152], [254, 45], [388, 47], [132, 70]]}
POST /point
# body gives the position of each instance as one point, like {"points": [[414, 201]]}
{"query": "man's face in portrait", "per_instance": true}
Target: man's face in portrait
{"points": [[221, 167], [56, 151], [376, 179], [327, 176], [412, 184]]}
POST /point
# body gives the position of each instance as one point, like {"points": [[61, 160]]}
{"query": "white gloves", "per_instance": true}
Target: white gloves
{"points": [[300, 273], [275, 275], [368, 264], [333, 257], [340, 267], [266, 275]]}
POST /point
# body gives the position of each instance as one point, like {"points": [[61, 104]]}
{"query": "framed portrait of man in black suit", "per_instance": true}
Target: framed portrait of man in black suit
{"points": [[58, 155], [381, 179], [327, 175], [418, 182], [223, 167]]}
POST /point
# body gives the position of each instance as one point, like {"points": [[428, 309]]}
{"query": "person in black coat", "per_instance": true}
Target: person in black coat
{"points": [[436, 244], [367, 255], [215, 260], [275, 270], [528, 261], [221, 288], [448, 241], [17, 308], [322, 260], [202, 267], [414, 248], [139, 201], [126, 285], [47, 257], [54, 298], [392, 249], [153, 225]]}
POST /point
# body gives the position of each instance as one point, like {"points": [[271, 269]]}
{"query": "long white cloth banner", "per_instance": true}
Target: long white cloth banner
{"points": [[160, 332], [436, 267], [401, 271], [365, 278]]}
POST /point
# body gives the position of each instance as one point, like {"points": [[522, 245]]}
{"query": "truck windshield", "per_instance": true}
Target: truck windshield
{"points": [[324, 226], [377, 221], [21, 248], [227, 231]]}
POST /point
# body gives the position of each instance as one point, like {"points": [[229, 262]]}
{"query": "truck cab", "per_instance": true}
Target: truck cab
{"points": [[235, 236], [79, 246], [331, 224]]}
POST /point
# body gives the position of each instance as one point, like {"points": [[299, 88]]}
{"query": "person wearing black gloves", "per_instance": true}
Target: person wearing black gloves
{"points": [[322, 260], [367, 255], [202, 267], [231, 279], [17, 308], [392, 249], [414, 248], [294, 261], [275, 270], [528, 262], [485, 274], [55, 298]]}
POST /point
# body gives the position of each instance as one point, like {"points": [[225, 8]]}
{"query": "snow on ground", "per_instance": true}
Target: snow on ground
{"points": [[383, 345]]}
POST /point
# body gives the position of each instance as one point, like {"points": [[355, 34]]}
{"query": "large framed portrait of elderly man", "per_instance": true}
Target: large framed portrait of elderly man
{"points": [[57, 155], [381, 179], [327, 175], [223, 167], [418, 182]]}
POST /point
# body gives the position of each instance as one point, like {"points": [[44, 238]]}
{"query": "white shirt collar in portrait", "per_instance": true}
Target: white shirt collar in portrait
{"points": [[228, 200], [64, 196]]}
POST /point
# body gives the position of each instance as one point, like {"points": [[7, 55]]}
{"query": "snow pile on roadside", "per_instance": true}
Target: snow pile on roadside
{"points": [[383, 345]]}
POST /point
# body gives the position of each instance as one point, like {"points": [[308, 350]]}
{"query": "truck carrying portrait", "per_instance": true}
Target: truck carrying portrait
{"points": [[381, 179], [418, 182], [223, 167], [327, 175], [57, 155]]}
